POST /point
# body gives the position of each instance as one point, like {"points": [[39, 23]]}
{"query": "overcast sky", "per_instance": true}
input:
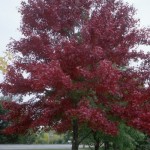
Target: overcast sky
{"points": [[10, 18]]}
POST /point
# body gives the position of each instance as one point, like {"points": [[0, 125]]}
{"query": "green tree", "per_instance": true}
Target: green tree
{"points": [[143, 144], [127, 139]]}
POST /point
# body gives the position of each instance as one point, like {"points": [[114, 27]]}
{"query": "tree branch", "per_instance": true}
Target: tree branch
{"points": [[85, 136]]}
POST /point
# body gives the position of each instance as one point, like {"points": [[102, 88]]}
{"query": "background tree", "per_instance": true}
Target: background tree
{"points": [[144, 144], [3, 64], [127, 139], [3, 124], [71, 60], [50, 138], [14, 138]]}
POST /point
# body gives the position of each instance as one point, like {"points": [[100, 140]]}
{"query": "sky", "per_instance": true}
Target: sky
{"points": [[10, 19]]}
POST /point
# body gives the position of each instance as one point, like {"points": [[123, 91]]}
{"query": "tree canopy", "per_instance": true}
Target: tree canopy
{"points": [[74, 58]]}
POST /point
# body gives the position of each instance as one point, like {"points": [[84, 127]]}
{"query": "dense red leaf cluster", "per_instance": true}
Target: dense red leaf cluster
{"points": [[74, 58]]}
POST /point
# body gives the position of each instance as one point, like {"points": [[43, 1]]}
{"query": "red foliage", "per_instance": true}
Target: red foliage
{"points": [[74, 57]]}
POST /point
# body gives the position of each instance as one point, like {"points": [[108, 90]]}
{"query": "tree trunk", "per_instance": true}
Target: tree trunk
{"points": [[75, 144], [115, 146], [97, 141], [106, 145], [97, 145]]}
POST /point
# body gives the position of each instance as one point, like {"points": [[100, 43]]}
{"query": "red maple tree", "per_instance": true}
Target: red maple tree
{"points": [[74, 58]]}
